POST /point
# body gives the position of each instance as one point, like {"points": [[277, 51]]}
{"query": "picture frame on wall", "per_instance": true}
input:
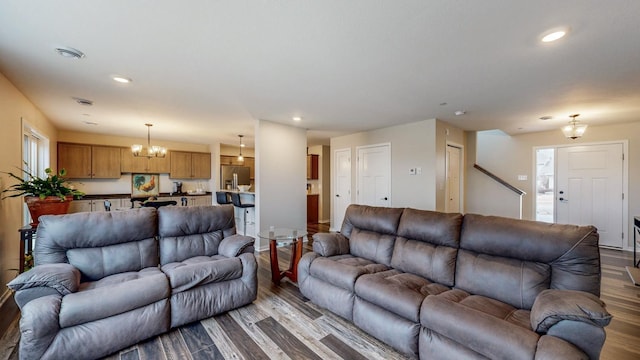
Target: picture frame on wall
{"points": [[145, 185]]}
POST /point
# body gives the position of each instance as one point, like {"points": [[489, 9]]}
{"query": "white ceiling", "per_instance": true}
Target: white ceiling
{"points": [[204, 70]]}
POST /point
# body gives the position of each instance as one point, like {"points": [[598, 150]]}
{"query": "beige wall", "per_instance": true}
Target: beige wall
{"points": [[510, 156], [419, 144], [14, 106]]}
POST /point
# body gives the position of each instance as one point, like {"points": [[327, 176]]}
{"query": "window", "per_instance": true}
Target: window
{"points": [[545, 171], [35, 156]]}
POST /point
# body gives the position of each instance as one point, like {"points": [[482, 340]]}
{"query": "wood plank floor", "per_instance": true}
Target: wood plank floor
{"points": [[282, 324]]}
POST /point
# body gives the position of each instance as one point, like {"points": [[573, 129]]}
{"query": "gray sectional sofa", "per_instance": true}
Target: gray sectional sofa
{"points": [[448, 286], [106, 280]]}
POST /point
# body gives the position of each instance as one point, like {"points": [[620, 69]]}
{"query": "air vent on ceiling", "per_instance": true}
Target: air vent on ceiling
{"points": [[82, 101], [70, 52]]}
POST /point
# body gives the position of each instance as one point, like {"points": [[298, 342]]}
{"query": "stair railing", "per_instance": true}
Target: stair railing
{"points": [[502, 182]]}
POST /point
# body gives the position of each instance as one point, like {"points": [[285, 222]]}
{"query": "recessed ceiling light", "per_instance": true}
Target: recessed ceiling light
{"points": [[82, 101], [121, 79], [69, 52], [460, 112], [297, 118], [555, 34], [546, 117]]}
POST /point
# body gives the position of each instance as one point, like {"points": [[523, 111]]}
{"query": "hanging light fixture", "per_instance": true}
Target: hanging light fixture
{"points": [[574, 130], [240, 157], [151, 151]]}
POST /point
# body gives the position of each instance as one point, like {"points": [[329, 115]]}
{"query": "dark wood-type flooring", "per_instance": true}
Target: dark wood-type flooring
{"points": [[282, 324]]}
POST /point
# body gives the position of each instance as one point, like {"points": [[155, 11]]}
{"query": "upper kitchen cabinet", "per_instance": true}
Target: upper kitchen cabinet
{"points": [[142, 164], [190, 165], [232, 160], [83, 161], [312, 166]]}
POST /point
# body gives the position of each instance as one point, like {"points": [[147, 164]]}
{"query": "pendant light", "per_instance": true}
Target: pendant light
{"points": [[151, 151], [240, 157], [574, 130]]}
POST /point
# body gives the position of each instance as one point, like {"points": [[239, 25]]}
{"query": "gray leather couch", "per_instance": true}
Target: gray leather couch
{"points": [[106, 280], [447, 286]]}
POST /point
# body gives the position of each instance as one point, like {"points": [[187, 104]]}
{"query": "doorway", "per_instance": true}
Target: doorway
{"points": [[584, 185], [374, 175], [342, 186], [453, 193]]}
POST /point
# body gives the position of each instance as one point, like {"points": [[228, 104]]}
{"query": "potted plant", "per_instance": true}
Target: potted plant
{"points": [[48, 195]]}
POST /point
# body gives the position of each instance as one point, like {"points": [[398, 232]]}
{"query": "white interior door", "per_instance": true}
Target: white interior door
{"points": [[374, 175], [590, 189], [452, 203], [342, 186]]}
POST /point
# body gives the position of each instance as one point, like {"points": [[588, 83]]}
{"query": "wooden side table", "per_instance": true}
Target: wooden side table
{"points": [[27, 236], [279, 237]]}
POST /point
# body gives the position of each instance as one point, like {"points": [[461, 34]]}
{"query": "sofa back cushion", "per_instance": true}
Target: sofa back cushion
{"points": [[514, 260], [428, 244], [191, 231], [371, 231], [99, 243]]}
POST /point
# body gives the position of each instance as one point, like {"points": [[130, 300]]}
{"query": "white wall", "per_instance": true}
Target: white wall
{"points": [[281, 168], [510, 156]]}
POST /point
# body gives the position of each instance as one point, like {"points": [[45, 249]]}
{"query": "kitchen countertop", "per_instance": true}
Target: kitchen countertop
{"points": [[126, 196]]}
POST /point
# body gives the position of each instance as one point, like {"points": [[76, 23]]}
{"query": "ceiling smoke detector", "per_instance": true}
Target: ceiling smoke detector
{"points": [[69, 52], [460, 112]]}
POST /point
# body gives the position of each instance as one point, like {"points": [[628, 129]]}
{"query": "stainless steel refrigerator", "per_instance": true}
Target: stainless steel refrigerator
{"points": [[226, 176]]}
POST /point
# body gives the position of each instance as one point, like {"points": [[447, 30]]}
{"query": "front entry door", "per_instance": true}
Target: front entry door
{"points": [[374, 175], [590, 189]]}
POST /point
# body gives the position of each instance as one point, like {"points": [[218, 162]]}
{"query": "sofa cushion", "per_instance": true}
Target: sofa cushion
{"points": [[553, 306], [488, 327], [99, 243], [372, 246], [437, 263], [343, 270], [512, 281], [186, 232], [201, 270], [113, 295], [97, 262], [431, 227], [376, 219], [64, 278], [570, 251], [397, 292]]}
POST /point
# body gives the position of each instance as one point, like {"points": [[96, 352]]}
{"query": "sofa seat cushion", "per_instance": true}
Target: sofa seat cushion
{"points": [[201, 270], [343, 270], [487, 326], [397, 292], [113, 295]]}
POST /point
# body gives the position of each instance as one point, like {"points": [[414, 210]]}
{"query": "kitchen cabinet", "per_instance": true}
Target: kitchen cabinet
{"points": [[142, 164], [251, 163], [190, 165], [312, 166], [313, 202], [82, 161]]}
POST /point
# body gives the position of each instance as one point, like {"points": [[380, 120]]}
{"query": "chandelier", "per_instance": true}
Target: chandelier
{"points": [[151, 151], [574, 130]]}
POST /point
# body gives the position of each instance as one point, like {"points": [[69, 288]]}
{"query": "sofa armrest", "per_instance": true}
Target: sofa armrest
{"points": [[39, 326], [553, 306], [330, 244], [234, 245], [63, 278]]}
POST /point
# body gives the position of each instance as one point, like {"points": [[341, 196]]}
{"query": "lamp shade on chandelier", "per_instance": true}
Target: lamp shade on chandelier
{"points": [[240, 157], [574, 130], [150, 151]]}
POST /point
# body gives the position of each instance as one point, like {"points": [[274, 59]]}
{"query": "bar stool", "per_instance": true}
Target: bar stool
{"points": [[235, 199], [223, 198]]}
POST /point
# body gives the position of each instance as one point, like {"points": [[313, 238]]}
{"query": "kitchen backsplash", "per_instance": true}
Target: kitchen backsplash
{"points": [[123, 185]]}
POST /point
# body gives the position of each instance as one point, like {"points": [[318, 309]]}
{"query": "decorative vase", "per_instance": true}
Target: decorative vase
{"points": [[50, 205]]}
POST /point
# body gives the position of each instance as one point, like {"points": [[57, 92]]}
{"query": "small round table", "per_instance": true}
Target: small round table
{"points": [[279, 237]]}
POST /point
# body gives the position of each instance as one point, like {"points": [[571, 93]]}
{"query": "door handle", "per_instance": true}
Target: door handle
{"points": [[337, 195], [563, 199], [384, 198]]}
